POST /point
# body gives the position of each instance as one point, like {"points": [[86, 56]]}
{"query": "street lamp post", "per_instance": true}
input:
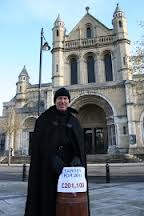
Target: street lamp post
{"points": [[46, 47]]}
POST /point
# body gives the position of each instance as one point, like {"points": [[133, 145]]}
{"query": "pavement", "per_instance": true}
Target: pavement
{"points": [[109, 199], [117, 198]]}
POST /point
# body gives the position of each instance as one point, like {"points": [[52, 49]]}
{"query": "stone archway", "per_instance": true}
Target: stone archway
{"points": [[27, 132], [93, 121], [96, 118]]}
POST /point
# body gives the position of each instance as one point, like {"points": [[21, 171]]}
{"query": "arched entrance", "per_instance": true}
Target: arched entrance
{"points": [[27, 132], [93, 121], [96, 118]]}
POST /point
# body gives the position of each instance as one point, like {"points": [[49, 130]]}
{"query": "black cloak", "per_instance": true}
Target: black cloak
{"points": [[42, 183]]}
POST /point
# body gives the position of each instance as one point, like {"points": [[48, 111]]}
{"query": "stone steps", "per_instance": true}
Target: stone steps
{"points": [[17, 160], [114, 158], [91, 159]]}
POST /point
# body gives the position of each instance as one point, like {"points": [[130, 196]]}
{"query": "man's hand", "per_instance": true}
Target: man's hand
{"points": [[76, 161]]}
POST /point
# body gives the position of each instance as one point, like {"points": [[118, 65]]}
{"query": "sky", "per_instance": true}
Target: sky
{"points": [[21, 22]]}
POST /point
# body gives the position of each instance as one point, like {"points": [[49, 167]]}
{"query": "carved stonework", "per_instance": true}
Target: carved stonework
{"points": [[86, 97]]}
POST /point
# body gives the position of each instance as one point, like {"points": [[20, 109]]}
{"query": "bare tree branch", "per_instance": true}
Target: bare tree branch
{"points": [[9, 125]]}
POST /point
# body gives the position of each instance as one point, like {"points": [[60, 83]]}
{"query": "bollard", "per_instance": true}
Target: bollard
{"points": [[24, 173], [107, 173]]}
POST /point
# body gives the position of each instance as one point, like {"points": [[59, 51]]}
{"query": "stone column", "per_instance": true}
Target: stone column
{"points": [[25, 142], [78, 71], [111, 137], [67, 73], [49, 100], [113, 67], [100, 68], [9, 143], [130, 115], [83, 71], [96, 69]]}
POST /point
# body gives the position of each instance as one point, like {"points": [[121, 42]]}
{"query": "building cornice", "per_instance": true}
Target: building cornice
{"points": [[121, 41], [56, 49]]}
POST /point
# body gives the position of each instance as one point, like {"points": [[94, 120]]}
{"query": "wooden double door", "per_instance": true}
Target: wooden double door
{"points": [[95, 140]]}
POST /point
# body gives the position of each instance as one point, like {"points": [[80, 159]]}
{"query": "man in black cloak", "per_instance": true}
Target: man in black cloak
{"points": [[57, 142]]}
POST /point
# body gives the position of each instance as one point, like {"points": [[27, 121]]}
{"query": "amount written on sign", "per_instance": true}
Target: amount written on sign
{"points": [[72, 180]]}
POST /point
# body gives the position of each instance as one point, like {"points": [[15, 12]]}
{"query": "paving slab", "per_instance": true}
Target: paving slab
{"points": [[111, 199]]}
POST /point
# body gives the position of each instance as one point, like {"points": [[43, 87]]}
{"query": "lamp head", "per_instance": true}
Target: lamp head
{"points": [[46, 47]]}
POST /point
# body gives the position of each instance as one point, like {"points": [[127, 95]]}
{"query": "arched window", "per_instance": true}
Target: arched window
{"points": [[90, 69], [88, 32], [120, 24], [56, 67], [73, 66], [108, 67], [57, 33]]}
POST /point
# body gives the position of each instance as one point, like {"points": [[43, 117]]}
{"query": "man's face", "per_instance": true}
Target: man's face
{"points": [[62, 103]]}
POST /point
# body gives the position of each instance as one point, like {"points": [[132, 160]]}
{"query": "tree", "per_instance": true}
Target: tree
{"points": [[137, 64], [137, 57], [9, 124]]}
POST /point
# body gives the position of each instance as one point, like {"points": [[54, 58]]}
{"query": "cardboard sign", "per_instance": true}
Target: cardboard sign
{"points": [[72, 180]]}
